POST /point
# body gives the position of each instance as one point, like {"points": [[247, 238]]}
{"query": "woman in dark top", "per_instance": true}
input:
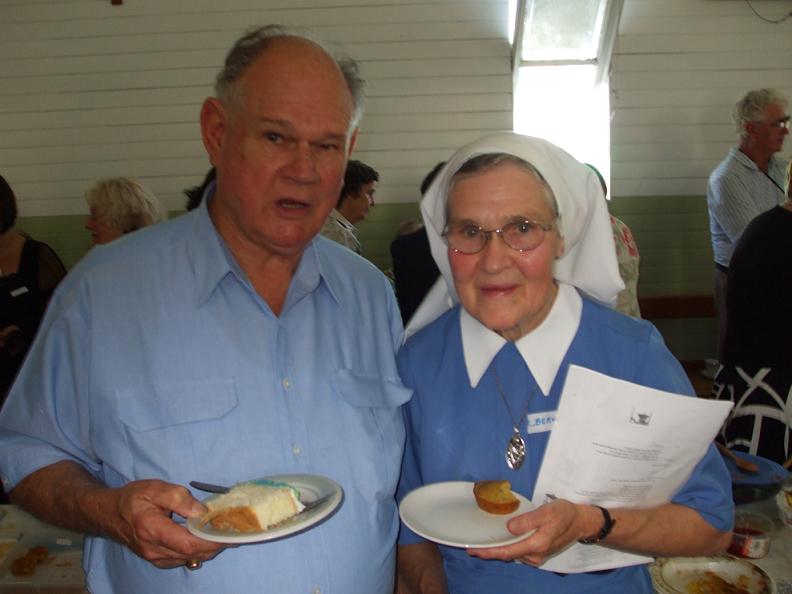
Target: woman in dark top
{"points": [[757, 364], [29, 272]]}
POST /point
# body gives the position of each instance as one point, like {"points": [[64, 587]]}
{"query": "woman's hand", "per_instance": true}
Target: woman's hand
{"points": [[556, 525]]}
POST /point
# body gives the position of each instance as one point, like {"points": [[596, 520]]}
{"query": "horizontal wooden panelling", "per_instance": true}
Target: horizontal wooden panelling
{"points": [[691, 79], [90, 90], [203, 76], [677, 306], [698, 9], [124, 42], [682, 44]]}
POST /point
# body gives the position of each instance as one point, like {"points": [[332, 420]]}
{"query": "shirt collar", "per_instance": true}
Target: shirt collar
{"points": [[743, 158], [212, 261], [341, 220], [210, 258], [543, 349]]}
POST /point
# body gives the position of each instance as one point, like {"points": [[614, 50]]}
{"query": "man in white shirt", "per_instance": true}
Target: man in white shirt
{"points": [[748, 182], [354, 203]]}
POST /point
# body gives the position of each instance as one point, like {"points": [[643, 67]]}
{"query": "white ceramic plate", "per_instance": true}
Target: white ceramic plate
{"points": [[785, 510], [446, 513], [674, 575], [311, 488]]}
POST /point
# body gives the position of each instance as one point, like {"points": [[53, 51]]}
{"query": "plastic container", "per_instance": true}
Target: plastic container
{"points": [[752, 535]]}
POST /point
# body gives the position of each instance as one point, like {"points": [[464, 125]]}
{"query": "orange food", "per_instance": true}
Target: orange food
{"points": [[27, 563], [495, 497], [714, 584]]}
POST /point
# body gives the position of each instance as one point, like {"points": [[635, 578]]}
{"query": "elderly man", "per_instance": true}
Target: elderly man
{"points": [[354, 202], [225, 345], [748, 182]]}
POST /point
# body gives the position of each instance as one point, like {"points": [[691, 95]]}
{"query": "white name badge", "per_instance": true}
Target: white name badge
{"points": [[540, 422], [19, 291]]}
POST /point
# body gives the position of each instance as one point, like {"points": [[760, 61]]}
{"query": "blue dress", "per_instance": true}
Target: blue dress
{"points": [[455, 432]]}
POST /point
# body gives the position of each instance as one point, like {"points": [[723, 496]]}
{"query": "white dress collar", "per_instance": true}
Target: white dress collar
{"points": [[543, 349]]}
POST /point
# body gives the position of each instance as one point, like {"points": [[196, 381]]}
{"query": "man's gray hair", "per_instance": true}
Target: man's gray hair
{"points": [[752, 107], [258, 39]]}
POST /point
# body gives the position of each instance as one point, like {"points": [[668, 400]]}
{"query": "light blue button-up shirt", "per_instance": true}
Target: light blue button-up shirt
{"points": [[157, 359]]}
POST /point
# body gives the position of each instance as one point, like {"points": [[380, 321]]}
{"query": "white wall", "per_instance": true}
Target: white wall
{"points": [[680, 66], [90, 90]]}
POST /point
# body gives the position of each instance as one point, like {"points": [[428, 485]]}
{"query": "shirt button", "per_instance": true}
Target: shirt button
{"points": [[296, 450], [317, 590], [286, 383]]}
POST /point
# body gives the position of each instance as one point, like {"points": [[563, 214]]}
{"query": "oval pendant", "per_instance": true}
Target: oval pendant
{"points": [[515, 451]]}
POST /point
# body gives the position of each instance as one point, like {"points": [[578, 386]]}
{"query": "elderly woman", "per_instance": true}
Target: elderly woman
{"points": [[118, 206], [520, 233]]}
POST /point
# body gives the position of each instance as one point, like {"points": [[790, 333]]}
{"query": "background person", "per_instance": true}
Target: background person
{"points": [[227, 344], [414, 269], [118, 206], [29, 272], [746, 183], [521, 235], [756, 373], [354, 203], [627, 256], [196, 193]]}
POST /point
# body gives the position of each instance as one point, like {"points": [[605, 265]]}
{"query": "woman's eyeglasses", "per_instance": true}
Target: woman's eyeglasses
{"points": [[521, 236]]}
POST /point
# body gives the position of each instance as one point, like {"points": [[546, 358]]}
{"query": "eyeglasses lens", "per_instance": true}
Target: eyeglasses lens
{"points": [[521, 236]]}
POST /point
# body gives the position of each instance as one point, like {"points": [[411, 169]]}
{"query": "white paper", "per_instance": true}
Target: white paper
{"points": [[621, 445]]}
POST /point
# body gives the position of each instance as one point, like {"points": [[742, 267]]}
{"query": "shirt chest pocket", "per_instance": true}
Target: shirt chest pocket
{"points": [[373, 429], [177, 432]]}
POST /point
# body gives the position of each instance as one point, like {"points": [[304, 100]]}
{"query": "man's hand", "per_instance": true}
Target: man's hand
{"points": [[138, 515], [557, 524], [145, 526]]}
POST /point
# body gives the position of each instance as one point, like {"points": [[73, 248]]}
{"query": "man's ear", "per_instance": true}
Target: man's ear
{"points": [[213, 126]]}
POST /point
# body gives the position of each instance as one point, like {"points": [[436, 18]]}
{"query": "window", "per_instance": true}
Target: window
{"points": [[561, 59]]}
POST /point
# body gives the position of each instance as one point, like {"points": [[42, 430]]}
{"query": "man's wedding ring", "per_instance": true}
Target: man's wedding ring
{"points": [[193, 564]]}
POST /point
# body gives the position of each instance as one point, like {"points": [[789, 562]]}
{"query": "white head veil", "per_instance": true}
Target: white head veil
{"points": [[589, 259]]}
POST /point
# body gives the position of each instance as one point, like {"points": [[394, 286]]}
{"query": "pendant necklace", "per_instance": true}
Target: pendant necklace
{"points": [[515, 447]]}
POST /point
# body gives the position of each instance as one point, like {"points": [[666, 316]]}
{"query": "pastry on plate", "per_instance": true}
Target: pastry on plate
{"points": [[495, 497]]}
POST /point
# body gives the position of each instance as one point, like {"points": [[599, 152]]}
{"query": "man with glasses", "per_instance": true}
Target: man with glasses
{"points": [[748, 182], [354, 203]]}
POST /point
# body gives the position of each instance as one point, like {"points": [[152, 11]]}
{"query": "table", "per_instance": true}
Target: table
{"points": [[778, 562], [62, 573]]}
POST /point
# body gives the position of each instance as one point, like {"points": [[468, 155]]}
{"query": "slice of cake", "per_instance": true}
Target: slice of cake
{"points": [[495, 497], [253, 506]]}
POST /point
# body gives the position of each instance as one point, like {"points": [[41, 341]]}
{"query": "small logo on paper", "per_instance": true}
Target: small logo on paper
{"points": [[640, 418]]}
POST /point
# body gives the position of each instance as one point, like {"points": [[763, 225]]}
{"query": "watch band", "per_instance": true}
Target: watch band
{"points": [[607, 527]]}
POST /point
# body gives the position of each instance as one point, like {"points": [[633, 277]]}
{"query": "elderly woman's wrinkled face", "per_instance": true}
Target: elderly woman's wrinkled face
{"points": [[101, 232], [508, 291]]}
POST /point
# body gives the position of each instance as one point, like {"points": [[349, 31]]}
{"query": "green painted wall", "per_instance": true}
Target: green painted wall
{"points": [[672, 235]]}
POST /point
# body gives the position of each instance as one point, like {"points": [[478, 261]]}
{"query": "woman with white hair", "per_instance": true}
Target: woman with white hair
{"points": [[118, 206], [521, 236]]}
